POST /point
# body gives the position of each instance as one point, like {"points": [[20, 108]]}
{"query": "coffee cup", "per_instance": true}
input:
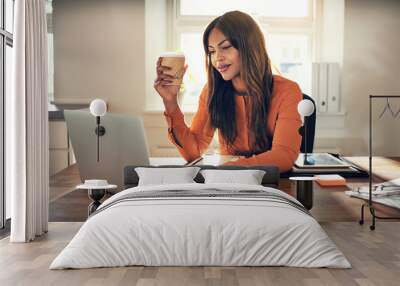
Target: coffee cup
{"points": [[176, 62]]}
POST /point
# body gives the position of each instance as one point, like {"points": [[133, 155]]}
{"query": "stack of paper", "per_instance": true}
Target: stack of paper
{"points": [[389, 188]]}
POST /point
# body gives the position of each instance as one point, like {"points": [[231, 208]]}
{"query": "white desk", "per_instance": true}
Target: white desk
{"points": [[213, 160]]}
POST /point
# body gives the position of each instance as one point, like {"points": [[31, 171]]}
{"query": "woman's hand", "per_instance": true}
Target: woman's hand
{"points": [[169, 93]]}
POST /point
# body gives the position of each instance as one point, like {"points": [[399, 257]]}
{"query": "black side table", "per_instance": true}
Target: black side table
{"points": [[304, 191], [96, 193]]}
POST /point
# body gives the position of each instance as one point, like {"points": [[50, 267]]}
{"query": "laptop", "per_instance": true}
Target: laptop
{"points": [[123, 144]]}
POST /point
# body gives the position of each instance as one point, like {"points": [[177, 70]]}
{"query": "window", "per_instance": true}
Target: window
{"points": [[289, 34], [50, 48], [6, 43], [266, 8]]}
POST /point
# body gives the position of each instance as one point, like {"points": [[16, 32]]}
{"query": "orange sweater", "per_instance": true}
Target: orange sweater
{"points": [[283, 123]]}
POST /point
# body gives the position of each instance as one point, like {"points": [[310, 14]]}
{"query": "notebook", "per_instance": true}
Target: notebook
{"points": [[333, 180]]}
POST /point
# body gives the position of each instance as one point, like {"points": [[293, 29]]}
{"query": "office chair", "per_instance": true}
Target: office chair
{"points": [[310, 129]]}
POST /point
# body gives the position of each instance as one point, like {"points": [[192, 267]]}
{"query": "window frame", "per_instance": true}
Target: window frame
{"points": [[178, 24], [50, 48], [6, 39]]}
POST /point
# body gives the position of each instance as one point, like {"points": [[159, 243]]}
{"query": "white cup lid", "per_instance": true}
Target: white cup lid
{"points": [[96, 184], [302, 178]]}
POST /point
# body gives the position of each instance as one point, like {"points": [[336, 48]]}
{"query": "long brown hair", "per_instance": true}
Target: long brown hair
{"points": [[255, 70]]}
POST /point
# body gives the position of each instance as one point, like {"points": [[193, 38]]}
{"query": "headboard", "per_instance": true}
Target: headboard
{"points": [[270, 179]]}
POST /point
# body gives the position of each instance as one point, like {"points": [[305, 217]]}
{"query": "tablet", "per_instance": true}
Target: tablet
{"points": [[320, 160]]}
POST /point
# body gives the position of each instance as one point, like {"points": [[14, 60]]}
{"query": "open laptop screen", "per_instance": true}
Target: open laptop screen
{"points": [[122, 144]]}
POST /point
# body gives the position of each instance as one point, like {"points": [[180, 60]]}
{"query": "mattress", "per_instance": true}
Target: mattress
{"points": [[201, 225]]}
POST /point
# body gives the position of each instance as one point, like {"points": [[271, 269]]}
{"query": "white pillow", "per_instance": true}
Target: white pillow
{"points": [[163, 176], [248, 177]]}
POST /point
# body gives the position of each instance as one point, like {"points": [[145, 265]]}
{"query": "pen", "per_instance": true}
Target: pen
{"points": [[194, 161]]}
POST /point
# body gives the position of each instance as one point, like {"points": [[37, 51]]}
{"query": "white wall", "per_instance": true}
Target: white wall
{"points": [[371, 65], [156, 22], [99, 49], [332, 29]]}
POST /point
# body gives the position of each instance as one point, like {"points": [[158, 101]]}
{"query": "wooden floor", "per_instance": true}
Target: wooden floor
{"points": [[375, 257]]}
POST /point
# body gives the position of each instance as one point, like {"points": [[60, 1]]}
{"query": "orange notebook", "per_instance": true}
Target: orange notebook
{"points": [[330, 180]]}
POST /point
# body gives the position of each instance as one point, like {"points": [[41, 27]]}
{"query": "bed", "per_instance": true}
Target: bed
{"points": [[198, 224]]}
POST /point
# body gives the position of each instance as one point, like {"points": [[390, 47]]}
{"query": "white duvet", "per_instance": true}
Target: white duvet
{"points": [[200, 231]]}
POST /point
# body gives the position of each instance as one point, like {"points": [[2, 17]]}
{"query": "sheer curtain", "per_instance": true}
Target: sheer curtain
{"points": [[28, 155]]}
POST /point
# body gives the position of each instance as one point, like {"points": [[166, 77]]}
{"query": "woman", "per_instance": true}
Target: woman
{"points": [[254, 111]]}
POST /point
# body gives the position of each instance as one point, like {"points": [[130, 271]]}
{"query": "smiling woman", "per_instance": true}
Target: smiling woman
{"points": [[255, 112], [219, 47], [238, 64]]}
